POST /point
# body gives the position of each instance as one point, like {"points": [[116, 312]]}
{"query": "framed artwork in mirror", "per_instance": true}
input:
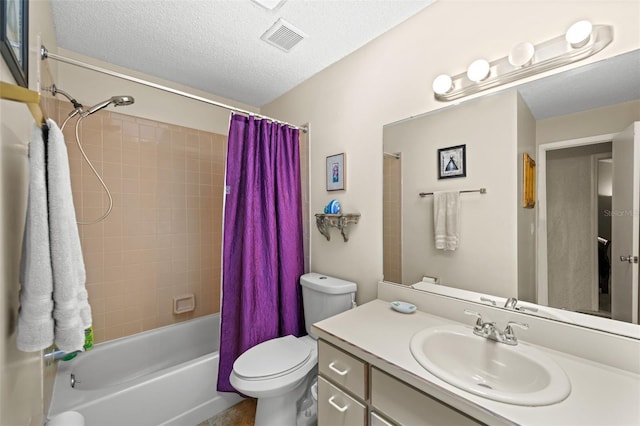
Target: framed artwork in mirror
{"points": [[14, 38], [336, 173], [528, 182], [452, 162]]}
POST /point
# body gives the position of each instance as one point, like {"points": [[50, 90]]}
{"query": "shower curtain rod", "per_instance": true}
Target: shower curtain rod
{"points": [[45, 54]]}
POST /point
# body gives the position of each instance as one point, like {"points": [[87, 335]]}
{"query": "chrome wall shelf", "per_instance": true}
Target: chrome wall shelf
{"points": [[341, 221]]}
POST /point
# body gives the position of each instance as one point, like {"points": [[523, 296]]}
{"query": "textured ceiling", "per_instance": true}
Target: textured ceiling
{"points": [[215, 45]]}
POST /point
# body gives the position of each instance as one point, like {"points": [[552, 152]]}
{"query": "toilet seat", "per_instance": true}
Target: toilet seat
{"points": [[273, 358]]}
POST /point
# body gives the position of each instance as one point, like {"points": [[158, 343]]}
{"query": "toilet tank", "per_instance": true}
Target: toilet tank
{"points": [[324, 297]]}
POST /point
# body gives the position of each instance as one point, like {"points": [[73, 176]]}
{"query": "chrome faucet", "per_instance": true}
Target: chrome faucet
{"points": [[512, 303], [489, 331]]}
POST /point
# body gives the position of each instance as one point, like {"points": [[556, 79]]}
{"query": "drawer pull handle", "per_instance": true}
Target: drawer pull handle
{"points": [[332, 366], [336, 406]]}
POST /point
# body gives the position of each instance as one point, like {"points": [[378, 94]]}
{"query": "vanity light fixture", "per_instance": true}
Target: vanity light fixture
{"points": [[478, 70], [521, 55], [524, 60], [442, 84], [579, 34]]}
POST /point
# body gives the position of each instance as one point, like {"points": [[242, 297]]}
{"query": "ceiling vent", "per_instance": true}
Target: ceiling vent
{"points": [[270, 4], [283, 35]]}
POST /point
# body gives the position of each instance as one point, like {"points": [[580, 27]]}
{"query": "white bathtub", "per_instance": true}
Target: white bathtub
{"points": [[165, 376]]}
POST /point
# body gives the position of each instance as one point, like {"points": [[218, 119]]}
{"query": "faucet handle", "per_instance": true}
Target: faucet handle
{"points": [[508, 330], [479, 321], [518, 324], [486, 299], [472, 313], [526, 308]]}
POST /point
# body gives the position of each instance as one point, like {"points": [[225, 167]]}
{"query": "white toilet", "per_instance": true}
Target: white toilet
{"points": [[279, 371]]}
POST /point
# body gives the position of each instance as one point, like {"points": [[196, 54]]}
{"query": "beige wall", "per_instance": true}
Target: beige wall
{"points": [[526, 130], [390, 79], [25, 384], [21, 373], [306, 218], [486, 259], [599, 121]]}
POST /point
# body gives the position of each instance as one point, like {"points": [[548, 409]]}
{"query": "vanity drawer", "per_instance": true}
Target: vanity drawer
{"points": [[408, 406], [336, 408], [376, 420], [343, 369]]}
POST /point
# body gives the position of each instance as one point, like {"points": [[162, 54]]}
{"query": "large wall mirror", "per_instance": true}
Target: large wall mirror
{"points": [[570, 257]]}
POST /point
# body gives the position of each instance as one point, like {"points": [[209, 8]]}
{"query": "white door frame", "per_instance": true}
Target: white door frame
{"points": [[542, 267]]}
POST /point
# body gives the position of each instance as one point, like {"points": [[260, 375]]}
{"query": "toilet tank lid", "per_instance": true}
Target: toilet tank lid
{"points": [[326, 284]]}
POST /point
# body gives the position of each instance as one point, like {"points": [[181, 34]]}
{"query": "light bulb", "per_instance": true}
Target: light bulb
{"points": [[478, 70], [579, 34], [442, 84], [521, 54]]}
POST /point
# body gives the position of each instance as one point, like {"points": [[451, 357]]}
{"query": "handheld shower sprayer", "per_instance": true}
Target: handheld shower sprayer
{"points": [[115, 100], [78, 109]]}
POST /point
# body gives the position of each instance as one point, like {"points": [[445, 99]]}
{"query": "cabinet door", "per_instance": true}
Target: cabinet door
{"points": [[343, 369], [336, 408], [408, 406]]}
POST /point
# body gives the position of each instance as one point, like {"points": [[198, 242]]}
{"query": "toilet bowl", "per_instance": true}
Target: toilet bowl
{"points": [[277, 372], [280, 371]]}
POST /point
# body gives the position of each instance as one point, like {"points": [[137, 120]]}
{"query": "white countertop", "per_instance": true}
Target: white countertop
{"points": [[600, 394]]}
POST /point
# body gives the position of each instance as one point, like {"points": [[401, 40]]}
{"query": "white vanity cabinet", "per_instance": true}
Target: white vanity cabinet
{"points": [[342, 387], [353, 393], [405, 405]]}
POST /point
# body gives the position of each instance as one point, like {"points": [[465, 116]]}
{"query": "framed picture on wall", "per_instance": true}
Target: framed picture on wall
{"points": [[452, 162], [528, 182], [14, 38], [336, 173]]}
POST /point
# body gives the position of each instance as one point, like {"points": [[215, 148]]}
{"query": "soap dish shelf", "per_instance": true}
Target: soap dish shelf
{"points": [[341, 221]]}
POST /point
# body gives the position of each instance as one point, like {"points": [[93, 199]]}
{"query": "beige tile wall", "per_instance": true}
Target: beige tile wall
{"points": [[163, 236], [392, 219]]}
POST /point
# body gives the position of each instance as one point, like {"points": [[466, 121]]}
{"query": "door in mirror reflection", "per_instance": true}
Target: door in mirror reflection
{"points": [[625, 217], [573, 228], [592, 227]]}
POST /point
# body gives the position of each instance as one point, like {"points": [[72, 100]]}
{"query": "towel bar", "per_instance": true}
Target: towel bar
{"points": [[481, 190]]}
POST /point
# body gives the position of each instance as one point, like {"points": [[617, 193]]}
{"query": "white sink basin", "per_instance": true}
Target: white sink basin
{"points": [[519, 375]]}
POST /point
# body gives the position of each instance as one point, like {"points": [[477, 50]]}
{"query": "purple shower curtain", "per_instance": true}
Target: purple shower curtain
{"points": [[263, 255]]}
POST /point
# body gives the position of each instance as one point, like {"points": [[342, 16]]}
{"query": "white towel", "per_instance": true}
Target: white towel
{"points": [[54, 303], [446, 219], [72, 313], [35, 320]]}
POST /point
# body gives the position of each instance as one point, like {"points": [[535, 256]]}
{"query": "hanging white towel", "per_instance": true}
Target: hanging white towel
{"points": [[446, 219], [35, 320], [53, 298], [72, 313]]}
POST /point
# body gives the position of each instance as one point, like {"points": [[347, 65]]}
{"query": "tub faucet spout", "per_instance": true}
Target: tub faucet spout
{"points": [[55, 355]]}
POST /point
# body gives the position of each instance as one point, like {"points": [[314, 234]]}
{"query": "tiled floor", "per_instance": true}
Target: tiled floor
{"points": [[241, 414]]}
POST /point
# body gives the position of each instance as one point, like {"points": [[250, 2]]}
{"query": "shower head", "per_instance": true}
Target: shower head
{"points": [[115, 100]]}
